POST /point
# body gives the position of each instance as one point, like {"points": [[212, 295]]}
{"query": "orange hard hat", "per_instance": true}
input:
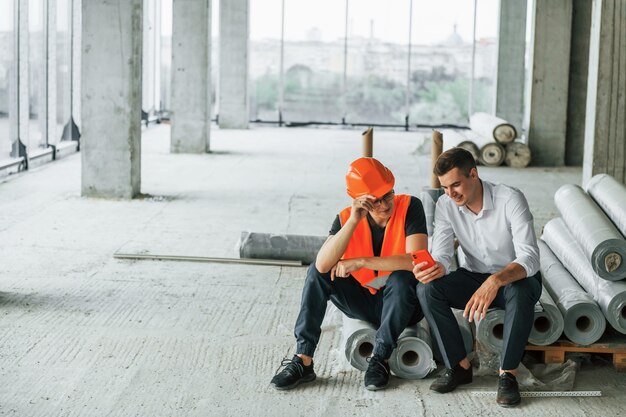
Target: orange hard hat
{"points": [[368, 176]]}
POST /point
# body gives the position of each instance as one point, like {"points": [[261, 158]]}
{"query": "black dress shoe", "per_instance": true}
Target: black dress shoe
{"points": [[451, 379], [508, 391]]}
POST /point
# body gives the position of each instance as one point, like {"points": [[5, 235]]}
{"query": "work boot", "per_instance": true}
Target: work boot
{"points": [[377, 374], [294, 373], [508, 390], [451, 379]]}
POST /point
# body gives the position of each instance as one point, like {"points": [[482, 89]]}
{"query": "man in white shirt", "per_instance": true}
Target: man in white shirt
{"points": [[495, 231]]}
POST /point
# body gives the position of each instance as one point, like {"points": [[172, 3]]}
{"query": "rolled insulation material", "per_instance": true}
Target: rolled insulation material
{"points": [[611, 196], [490, 330], [466, 333], [429, 197], [452, 139], [492, 155], [584, 322], [413, 357], [517, 155], [359, 339], [548, 324], [601, 242], [610, 295], [288, 247], [493, 127]]}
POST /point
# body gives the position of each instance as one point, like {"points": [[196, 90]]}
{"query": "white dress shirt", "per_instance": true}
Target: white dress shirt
{"points": [[501, 233]]}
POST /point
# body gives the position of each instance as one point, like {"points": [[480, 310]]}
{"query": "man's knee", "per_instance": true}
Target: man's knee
{"points": [[402, 280], [313, 275], [527, 289], [428, 291]]}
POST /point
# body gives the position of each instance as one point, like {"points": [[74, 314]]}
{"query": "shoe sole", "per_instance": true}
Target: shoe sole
{"points": [[375, 388], [309, 378], [445, 391], [510, 405]]}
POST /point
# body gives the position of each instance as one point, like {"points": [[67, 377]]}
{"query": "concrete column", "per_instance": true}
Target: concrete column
{"points": [[511, 52], [577, 95], [191, 76], [605, 123], [111, 98], [234, 57], [552, 22]]}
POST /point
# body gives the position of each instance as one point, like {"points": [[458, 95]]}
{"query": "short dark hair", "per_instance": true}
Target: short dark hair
{"points": [[454, 158]]}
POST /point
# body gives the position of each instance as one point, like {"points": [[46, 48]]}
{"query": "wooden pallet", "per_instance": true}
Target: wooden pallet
{"points": [[612, 345]]}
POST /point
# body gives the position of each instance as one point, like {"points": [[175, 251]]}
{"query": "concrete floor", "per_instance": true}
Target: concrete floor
{"points": [[83, 334]]}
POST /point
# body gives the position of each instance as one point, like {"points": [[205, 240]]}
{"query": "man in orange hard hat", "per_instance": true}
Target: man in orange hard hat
{"points": [[363, 269]]}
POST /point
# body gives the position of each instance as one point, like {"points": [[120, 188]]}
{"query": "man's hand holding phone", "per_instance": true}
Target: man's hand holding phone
{"points": [[425, 268]]}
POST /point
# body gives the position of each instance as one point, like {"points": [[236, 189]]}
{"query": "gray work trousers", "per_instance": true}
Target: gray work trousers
{"points": [[454, 290]]}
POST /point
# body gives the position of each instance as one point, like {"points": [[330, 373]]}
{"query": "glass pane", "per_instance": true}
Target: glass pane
{"points": [[441, 61], [7, 78], [378, 34], [215, 54], [314, 60], [36, 76], [166, 54], [265, 34], [486, 67], [63, 71], [150, 57]]}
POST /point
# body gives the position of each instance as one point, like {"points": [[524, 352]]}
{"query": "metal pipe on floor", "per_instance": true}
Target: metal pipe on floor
{"points": [[413, 356], [548, 324], [610, 195], [154, 257], [583, 321], [610, 295], [358, 341], [602, 243]]}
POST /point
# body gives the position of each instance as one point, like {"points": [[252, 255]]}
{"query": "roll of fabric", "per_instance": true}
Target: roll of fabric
{"points": [[490, 330], [452, 139], [413, 357], [517, 155], [359, 339], [610, 195], [493, 127], [429, 197], [602, 243], [610, 295], [583, 320], [548, 324], [274, 246], [492, 154]]}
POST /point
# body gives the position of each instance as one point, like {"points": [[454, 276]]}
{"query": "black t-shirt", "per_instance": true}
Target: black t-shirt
{"points": [[414, 223]]}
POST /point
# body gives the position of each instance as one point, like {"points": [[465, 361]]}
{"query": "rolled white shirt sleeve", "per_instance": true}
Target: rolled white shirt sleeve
{"points": [[442, 249], [523, 232]]}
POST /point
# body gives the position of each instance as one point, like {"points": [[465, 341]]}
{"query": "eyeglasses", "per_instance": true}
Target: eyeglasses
{"points": [[387, 198]]}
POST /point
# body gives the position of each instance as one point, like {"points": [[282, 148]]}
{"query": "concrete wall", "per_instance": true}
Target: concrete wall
{"points": [[552, 20], [111, 98], [605, 124], [234, 61], [511, 51], [191, 76], [577, 92]]}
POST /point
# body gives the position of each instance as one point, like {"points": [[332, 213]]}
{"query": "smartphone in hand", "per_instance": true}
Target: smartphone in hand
{"points": [[422, 255]]}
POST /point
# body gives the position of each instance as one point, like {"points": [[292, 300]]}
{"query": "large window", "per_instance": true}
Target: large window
{"points": [[7, 78], [36, 76], [63, 72]]}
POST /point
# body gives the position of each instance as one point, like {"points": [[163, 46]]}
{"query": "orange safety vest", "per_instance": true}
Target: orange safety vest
{"points": [[394, 240]]}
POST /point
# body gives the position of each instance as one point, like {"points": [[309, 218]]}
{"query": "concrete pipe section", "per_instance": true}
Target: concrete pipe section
{"points": [[490, 330], [583, 320], [275, 246], [610, 195], [359, 338], [602, 243], [610, 295], [548, 324], [493, 127], [413, 357]]}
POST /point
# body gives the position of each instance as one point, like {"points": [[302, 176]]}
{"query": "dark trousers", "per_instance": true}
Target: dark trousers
{"points": [[454, 290], [391, 309]]}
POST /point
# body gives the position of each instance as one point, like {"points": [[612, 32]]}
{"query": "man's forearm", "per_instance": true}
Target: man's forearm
{"points": [[510, 273], [388, 263], [333, 249]]}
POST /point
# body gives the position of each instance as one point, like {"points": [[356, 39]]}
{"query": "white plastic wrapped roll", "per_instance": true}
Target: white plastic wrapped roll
{"points": [[548, 324], [359, 338], [493, 127], [413, 357]]}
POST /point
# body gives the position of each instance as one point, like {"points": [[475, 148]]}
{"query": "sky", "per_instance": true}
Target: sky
{"points": [[433, 21]]}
